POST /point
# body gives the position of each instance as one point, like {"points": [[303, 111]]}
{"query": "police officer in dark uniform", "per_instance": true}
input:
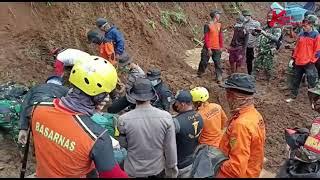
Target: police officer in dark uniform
{"points": [[164, 95], [188, 124]]}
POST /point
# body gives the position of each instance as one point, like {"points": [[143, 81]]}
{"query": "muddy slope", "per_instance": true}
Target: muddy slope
{"points": [[29, 30]]}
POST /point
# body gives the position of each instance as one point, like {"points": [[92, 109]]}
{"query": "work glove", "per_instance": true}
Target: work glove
{"points": [[23, 136], [172, 172], [291, 63]]}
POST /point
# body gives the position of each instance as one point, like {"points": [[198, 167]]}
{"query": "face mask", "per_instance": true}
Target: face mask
{"points": [[124, 69], [197, 105], [246, 18], [175, 107], [237, 101], [217, 17]]}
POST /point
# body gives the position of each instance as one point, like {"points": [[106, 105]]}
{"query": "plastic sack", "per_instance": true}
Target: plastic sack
{"points": [[106, 120]]}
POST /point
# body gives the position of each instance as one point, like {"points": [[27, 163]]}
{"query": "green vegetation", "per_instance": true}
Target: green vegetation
{"points": [[170, 17]]}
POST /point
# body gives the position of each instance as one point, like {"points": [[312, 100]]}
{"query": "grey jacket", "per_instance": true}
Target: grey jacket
{"points": [[148, 134], [132, 76], [250, 26]]}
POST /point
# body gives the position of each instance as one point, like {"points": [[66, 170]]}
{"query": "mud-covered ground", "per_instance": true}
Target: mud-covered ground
{"points": [[29, 30]]}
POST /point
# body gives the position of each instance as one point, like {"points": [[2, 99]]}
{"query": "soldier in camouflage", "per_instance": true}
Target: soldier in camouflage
{"points": [[11, 96], [267, 41]]}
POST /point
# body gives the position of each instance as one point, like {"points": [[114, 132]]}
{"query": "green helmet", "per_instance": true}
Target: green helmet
{"points": [[246, 13], [308, 13]]}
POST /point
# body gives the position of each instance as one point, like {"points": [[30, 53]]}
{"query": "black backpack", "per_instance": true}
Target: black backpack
{"points": [[293, 167], [207, 161]]}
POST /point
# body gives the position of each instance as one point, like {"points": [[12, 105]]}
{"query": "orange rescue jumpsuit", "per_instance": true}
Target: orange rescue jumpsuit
{"points": [[214, 119], [243, 143]]}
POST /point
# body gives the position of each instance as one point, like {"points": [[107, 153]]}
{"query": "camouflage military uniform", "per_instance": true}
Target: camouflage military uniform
{"points": [[11, 96], [266, 49]]}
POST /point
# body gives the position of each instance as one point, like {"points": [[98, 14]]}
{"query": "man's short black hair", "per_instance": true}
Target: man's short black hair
{"points": [[214, 13]]}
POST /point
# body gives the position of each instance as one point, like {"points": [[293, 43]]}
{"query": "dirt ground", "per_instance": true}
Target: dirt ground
{"points": [[29, 30]]}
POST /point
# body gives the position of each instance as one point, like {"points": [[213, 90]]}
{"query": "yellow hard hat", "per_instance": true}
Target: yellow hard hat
{"points": [[94, 76], [199, 94]]}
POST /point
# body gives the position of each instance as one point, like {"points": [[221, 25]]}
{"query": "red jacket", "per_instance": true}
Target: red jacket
{"points": [[307, 48]]}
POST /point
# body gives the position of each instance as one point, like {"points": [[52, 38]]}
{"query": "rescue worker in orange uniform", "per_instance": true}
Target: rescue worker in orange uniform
{"points": [[214, 118], [213, 45], [67, 142], [244, 139], [106, 48]]}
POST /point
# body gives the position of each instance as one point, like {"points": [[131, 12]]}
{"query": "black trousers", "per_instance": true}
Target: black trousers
{"points": [[318, 67], [160, 175], [311, 73], [249, 59], [216, 57]]}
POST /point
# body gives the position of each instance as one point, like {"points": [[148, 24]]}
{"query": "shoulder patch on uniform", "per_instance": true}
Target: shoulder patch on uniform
{"points": [[232, 142]]}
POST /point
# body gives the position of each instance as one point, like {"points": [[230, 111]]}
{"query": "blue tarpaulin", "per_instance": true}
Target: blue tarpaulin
{"points": [[310, 6]]}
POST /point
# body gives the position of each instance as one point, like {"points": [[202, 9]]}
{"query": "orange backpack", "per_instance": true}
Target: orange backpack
{"points": [[107, 52]]}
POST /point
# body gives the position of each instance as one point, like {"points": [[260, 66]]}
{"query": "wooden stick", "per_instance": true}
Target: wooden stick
{"points": [[199, 42], [14, 16]]}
